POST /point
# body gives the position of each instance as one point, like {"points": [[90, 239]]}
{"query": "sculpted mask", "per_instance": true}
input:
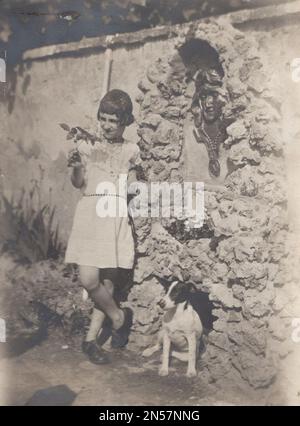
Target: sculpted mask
{"points": [[207, 106]]}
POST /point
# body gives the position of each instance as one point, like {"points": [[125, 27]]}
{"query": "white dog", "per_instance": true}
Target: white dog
{"points": [[181, 327]]}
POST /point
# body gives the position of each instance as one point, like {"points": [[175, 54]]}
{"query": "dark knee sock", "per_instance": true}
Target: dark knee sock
{"points": [[105, 302]]}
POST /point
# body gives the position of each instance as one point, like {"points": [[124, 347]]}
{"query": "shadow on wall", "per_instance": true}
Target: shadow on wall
{"points": [[199, 55]]}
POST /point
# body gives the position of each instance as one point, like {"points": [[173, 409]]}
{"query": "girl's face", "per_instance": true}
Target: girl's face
{"points": [[110, 126]]}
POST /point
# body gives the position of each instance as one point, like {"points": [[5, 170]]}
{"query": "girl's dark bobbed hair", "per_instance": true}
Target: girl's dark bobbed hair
{"points": [[119, 103]]}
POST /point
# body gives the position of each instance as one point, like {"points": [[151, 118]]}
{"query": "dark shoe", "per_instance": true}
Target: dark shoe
{"points": [[120, 336], [95, 354]]}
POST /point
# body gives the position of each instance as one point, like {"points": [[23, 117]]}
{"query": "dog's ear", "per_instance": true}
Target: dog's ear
{"points": [[164, 282], [192, 288]]}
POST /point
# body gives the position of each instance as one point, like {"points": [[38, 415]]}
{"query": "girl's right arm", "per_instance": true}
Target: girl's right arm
{"points": [[77, 176]]}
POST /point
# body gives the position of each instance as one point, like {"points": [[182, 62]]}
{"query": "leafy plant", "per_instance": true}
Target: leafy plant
{"points": [[48, 293], [27, 227]]}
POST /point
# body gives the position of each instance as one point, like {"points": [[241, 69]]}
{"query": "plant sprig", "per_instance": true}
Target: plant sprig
{"points": [[79, 134]]}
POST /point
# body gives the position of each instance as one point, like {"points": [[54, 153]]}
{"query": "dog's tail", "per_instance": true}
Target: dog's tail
{"points": [[182, 356]]}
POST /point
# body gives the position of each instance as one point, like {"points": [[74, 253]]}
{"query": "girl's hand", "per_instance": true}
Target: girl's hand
{"points": [[74, 159]]}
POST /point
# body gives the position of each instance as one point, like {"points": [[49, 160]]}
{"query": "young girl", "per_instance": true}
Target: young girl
{"points": [[101, 245]]}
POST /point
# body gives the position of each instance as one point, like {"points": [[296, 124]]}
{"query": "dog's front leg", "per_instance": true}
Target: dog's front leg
{"points": [[192, 343], [164, 369]]}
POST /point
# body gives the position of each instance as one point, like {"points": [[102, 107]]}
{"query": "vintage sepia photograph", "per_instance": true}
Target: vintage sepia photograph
{"points": [[149, 199]]}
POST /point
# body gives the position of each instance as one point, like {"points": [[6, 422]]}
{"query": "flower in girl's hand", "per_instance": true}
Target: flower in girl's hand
{"points": [[79, 134], [72, 132]]}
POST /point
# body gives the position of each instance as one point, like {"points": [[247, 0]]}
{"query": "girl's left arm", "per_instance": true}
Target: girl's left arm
{"points": [[132, 177], [132, 173]]}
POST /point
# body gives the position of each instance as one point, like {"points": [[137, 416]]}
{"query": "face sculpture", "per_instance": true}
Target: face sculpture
{"points": [[211, 106], [207, 109]]}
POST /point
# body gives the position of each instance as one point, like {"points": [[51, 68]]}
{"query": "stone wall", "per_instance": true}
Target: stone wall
{"points": [[240, 265], [243, 262]]}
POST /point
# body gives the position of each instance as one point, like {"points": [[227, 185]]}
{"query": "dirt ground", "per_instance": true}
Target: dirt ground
{"points": [[56, 372], [127, 380]]}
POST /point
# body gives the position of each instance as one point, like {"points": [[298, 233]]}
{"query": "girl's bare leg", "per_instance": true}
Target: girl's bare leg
{"points": [[103, 300], [109, 277]]}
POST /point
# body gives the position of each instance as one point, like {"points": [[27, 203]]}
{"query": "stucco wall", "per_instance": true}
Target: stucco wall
{"points": [[62, 90], [66, 87]]}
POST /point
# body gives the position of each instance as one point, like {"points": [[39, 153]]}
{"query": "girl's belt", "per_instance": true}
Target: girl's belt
{"points": [[103, 195]]}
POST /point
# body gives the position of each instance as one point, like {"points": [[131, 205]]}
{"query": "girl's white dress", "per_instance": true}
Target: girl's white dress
{"points": [[96, 240]]}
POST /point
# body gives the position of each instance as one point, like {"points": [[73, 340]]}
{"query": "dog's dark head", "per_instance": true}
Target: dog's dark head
{"points": [[178, 292]]}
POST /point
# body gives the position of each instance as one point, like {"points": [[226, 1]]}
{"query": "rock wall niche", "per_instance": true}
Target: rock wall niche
{"points": [[237, 256]]}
